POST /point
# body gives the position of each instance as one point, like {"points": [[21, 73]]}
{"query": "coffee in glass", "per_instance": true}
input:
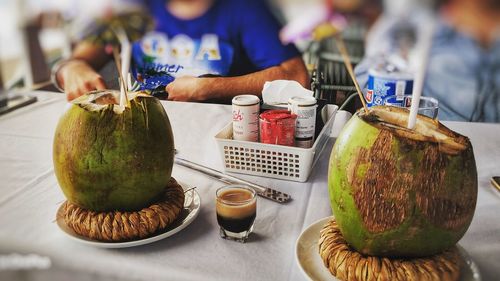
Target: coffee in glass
{"points": [[236, 211]]}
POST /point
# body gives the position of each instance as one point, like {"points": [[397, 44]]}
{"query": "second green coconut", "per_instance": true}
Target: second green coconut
{"points": [[398, 192]]}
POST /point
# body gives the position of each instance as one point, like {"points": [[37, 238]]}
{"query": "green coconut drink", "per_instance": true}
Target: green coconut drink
{"points": [[109, 158], [401, 193]]}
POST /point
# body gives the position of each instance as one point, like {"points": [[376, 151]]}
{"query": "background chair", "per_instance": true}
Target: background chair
{"points": [[330, 80]]}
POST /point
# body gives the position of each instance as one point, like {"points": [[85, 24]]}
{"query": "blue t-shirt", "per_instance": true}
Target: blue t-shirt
{"points": [[232, 38]]}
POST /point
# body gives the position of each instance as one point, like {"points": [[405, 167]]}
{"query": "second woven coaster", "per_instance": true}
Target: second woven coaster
{"points": [[347, 264]]}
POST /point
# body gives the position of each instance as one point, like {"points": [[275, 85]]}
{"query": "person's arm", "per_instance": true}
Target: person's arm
{"points": [[225, 88], [78, 74]]}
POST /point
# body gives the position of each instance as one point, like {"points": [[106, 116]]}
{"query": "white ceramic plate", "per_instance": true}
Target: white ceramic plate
{"points": [[311, 264], [192, 204]]}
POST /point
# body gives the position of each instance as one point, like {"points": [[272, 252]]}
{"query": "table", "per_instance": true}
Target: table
{"points": [[30, 196]]}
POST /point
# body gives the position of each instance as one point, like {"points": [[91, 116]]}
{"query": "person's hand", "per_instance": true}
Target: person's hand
{"points": [[188, 88], [77, 78]]}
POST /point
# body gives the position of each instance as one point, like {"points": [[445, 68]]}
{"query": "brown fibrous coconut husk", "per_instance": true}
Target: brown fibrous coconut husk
{"points": [[118, 226], [346, 264]]}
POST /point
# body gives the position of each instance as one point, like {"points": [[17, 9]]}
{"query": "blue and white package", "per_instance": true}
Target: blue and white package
{"points": [[383, 84]]}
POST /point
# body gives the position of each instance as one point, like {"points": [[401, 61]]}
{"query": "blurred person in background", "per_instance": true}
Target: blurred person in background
{"points": [[463, 71], [215, 50], [367, 10]]}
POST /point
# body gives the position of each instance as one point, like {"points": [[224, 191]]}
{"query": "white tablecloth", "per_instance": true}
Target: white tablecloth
{"points": [[30, 196]]}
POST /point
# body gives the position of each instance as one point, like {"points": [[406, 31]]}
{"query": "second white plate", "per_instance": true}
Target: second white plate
{"points": [[311, 264]]}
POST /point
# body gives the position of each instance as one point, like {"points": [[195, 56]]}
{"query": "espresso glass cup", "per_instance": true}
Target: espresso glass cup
{"points": [[428, 106], [236, 208]]}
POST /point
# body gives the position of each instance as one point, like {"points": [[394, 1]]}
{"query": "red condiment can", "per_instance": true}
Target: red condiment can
{"points": [[277, 127]]}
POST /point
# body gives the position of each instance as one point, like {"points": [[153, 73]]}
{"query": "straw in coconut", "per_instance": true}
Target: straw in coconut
{"points": [[421, 60]]}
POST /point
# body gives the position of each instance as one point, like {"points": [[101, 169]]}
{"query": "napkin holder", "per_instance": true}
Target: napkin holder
{"points": [[274, 161]]}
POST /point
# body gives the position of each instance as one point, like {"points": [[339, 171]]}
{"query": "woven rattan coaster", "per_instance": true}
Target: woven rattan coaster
{"points": [[125, 226], [347, 264]]}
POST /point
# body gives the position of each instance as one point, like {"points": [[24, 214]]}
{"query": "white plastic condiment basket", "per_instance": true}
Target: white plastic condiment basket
{"points": [[274, 161]]}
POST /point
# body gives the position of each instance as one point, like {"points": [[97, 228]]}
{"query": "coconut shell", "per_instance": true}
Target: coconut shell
{"points": [[401, 193], [107, 158]]}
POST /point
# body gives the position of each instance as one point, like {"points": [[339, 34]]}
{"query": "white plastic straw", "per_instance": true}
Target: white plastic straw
{"points": [[124, 65], [125, 58], [129, 81], [123, 91], [123, 94], [421, 59]]}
